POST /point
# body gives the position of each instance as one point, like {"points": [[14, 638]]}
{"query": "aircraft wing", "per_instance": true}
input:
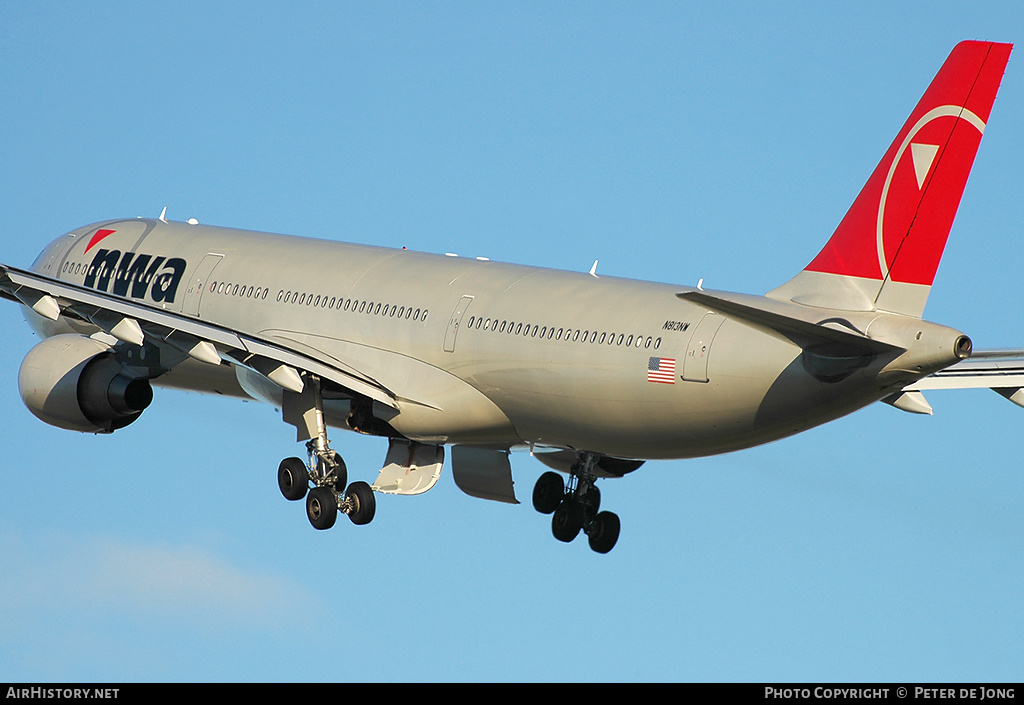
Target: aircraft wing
{"points": [[138, 324], [998, 370]]}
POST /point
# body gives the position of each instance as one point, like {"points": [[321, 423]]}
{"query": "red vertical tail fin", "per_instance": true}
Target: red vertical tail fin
{"points": [[886, 250]]}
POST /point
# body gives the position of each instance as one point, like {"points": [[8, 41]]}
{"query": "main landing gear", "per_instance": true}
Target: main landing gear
{"points": [[328, 476], [329, 495], [575, 505]]}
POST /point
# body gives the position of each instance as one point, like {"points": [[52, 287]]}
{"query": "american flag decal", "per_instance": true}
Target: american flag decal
{"points": [[661, 370]]}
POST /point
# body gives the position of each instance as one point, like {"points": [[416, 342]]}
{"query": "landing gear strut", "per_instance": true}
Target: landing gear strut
{"points": [[327, 474], [575, 505]]}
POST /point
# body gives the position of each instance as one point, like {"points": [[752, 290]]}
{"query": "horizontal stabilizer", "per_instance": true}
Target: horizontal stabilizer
{"points": [[780, 318], [1002, 371]]}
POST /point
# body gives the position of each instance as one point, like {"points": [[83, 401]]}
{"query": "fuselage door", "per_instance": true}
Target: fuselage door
{"points": [[454, 322], [698, 350], [196, 285]]}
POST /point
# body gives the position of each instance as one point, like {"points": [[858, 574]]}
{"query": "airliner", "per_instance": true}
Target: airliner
{"points": [[593, 374]]}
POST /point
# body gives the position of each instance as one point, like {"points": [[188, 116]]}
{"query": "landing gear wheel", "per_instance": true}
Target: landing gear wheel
{"points": [[359, 496], [548, 492], [567, 520], [293, 478], [322, 508], [603, 532]]}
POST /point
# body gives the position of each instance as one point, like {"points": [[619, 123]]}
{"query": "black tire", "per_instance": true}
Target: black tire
{"points": [[567, 521], [603, 532], [361, 494], [293, 478], [548, 492], [321, 508]]}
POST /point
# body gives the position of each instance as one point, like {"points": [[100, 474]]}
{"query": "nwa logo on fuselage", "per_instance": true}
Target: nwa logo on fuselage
{"points": [[136, 275]]}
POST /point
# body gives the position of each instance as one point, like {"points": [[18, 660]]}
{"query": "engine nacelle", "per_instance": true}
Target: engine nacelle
{"points": [[75, 382]]}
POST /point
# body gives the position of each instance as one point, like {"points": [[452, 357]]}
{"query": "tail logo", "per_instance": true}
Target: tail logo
{"points": [[97, 237], [886, 249], [923, 156]]}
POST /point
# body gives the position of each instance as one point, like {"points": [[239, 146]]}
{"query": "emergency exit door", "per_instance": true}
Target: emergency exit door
{"points": [[455, 322]]}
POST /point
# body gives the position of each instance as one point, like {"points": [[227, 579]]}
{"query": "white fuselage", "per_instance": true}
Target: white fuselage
{"points": [[480, 352]]}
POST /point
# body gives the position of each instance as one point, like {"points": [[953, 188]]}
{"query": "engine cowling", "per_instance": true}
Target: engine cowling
{"points": [[77, 383]]}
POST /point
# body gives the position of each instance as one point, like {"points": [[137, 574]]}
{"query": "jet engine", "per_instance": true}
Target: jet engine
{"points": [[77, 383]]}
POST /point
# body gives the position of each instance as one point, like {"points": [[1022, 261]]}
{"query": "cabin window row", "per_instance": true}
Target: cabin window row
{"points": [[249, 292], [302, 298], [567, 334], [355, 305]]}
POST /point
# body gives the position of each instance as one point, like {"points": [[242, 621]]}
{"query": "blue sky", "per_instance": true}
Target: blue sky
{"points": [[671, 141]]}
